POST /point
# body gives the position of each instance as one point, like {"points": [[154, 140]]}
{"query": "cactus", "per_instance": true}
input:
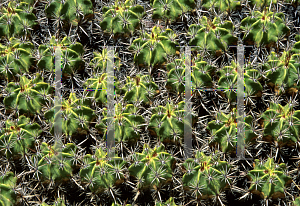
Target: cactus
{"points": [[297, 201], [28, 95], [58, 202], [71, 56], [70, 11], [212, 36], [253, 87], [282, 124], [283, 70], [99, 62], [55, 163], [16, 20], [122, 18], [139, 88], [169, 202], [201, 75], [171, 9], [220, 5], [102, 173], [206, 176], [167, 122], [96, 88], [15, 58], [152, 168], [262, 3], [268, 180], [75, 116], [264, 27], [127, 123], [151, 49], [8, 197], [19, 136], [223, 131]]}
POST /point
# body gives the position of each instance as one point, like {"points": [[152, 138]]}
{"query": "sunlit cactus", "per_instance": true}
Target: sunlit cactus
{"points": [[152, 49], [140, 88], [167, 122], [54, 164], [18, 137], [8, 196], [212, 36], [152, 168], [71, 56], [122, 18], [281, 124], [206, 176], [127, 123], [16, 19], [101, 174], [268, 179], [16, 58], [28, 95], [264, 27], [74, 116], [69, 12]]}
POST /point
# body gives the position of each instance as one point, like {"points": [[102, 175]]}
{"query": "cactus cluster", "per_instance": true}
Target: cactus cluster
{"points": [[57, 146]]}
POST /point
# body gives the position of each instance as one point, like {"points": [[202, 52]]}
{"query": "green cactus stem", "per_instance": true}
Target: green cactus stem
{"points": [[212, 36], [28, 95], [122, 18], [171, 9], [18, 137], [167, 122], [8, 197], [268, 180], [15, 58], [264, 27], [71, 56], [152, 49], [55, 163], [15, 21], [127, 123], [152, 168], [140, 88], [281, 124], [76, 116], [102, 173], [206, 176], [71, 12]]}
